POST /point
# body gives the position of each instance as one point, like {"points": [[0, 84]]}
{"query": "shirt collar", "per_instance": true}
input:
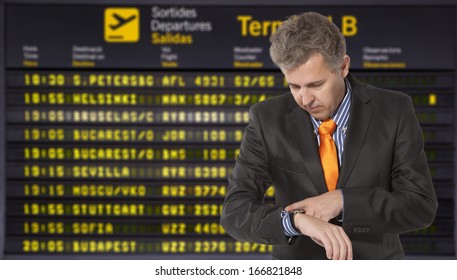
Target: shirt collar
{"points": [[341, 115]]}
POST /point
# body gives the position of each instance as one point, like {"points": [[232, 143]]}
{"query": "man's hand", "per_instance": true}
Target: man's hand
{"points": [[325, 206], [337, 244]]}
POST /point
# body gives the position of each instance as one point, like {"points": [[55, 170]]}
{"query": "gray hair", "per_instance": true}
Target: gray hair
{"points": [[304, 35]]}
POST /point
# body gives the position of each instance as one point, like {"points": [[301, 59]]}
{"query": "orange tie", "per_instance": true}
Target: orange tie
{"points": [[327, 151]]}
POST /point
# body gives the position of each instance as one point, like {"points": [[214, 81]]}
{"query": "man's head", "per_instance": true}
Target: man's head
{"points": [[311, 52], [302, 36]]}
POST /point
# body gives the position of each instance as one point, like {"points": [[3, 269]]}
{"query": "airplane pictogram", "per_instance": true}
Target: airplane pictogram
{"points": [[122, 25], [121, 21]]}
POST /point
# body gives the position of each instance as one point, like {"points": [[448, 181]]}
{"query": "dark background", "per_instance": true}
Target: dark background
{"points": [[425, 30]]}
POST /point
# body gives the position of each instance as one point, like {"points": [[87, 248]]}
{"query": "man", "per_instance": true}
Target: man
{"points": [[346, 159]]}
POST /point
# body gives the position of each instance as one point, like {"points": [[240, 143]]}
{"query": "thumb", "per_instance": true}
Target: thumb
{"points": [[318, 241]]}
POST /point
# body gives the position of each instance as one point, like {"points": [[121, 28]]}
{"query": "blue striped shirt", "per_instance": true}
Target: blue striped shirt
{"points": [[340, 117]]}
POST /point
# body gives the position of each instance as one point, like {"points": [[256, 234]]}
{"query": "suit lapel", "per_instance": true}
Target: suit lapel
{"points": [[303, 133], [359, 121]]}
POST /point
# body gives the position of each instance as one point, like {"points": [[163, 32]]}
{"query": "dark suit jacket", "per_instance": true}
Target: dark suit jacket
{"points": [[384, 175]]}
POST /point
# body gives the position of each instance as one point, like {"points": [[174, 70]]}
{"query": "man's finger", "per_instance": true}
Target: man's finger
{"points": [[328, 246], [335, 244], [348, 243], [343, 245], [295, 206], [311, 213]]}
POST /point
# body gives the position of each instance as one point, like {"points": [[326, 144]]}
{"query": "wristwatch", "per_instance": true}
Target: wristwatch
{"points": [[292, 215]]}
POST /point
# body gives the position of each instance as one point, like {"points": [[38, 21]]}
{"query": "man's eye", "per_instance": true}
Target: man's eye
{"points": [[317, 86], [294, 87]]}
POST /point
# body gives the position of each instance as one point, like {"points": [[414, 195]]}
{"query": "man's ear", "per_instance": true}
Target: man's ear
{"points": [[345, 66]]}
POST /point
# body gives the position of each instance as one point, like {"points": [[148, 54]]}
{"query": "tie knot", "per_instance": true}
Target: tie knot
{"points": [[327, 127]]}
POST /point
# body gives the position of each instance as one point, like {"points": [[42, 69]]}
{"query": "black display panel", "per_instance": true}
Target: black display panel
{"points": [[200, 37], [120, 136]]}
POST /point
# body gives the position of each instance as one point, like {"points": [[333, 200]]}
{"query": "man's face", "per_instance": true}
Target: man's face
{"points": [[315, 88]]}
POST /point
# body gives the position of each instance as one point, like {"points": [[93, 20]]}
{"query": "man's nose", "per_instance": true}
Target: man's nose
{"points": [[306, 97]]}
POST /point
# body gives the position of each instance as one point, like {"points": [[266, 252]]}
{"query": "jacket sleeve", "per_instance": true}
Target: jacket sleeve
{"points": [[411, 202], [245, 217]]}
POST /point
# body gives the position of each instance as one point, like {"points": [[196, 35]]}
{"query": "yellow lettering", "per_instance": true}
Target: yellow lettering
{"points": [[257, 28], [349, 25]]}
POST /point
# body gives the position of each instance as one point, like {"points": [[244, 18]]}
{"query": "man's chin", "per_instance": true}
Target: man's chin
{"points": [[322, 116]]}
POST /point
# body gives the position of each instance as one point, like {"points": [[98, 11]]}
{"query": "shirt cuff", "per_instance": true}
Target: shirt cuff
{"points": [[287, 225]]}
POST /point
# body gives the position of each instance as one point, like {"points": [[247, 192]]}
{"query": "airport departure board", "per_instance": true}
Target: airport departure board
{"points": [[123, 122]]}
